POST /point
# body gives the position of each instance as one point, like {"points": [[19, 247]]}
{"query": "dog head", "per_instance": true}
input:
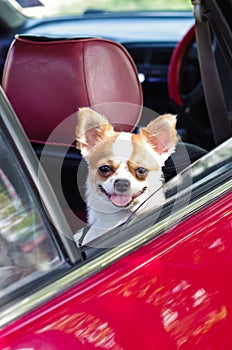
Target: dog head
{"points": [[124, 168]]}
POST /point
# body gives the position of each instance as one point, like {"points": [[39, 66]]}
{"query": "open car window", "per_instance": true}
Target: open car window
{"points": [[27, 250]]}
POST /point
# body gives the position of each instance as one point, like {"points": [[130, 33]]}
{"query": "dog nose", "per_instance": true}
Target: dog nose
{"points": [[121, 185]]}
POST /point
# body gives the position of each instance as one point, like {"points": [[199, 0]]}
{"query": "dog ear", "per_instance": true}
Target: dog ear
{"points": [[161, 133], [91, 128]]}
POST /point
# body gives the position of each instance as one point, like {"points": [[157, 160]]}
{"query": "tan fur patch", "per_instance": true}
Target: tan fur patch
{"points": [[133, 167], [102, 155], [143, 153], [90, 129]]}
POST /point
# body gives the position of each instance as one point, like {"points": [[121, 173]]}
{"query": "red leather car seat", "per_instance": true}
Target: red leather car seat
{"points": [[47, 79]]}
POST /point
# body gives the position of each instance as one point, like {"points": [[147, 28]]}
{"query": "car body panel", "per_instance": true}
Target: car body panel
{"points": [[172, 293]]}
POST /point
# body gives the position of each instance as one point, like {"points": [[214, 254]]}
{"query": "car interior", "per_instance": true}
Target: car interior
{"points": [[47, 78]]}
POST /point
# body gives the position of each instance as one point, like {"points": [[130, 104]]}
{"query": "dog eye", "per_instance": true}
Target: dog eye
{"points": [[141, 171], [105, 169]]}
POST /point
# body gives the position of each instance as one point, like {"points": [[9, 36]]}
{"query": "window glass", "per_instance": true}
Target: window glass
{"points": [[27, 250], [53, 7], [197, 180]]}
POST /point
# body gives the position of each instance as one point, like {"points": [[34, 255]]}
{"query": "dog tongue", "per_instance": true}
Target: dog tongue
{"points": [[120, 200]]}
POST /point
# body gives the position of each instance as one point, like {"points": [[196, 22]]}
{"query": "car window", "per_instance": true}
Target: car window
{"points": [[27, 250]]}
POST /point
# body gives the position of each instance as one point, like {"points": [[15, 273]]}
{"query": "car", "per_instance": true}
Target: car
{"points": [[161, 280]]}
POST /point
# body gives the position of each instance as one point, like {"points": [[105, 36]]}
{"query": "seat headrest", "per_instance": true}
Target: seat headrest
{"points": [[48, 79]]}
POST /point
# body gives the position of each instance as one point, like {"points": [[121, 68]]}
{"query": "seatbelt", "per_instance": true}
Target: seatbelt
{"points": [[213, 92]]}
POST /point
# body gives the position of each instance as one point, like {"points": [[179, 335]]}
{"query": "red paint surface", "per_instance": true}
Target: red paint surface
{"points": [[173, 293]]}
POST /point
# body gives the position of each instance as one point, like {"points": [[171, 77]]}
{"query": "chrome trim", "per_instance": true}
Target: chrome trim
{"points": [[47, 195], [42, 296]]}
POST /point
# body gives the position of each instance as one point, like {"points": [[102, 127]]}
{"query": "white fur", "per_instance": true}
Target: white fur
{"points": [[122, 147]]}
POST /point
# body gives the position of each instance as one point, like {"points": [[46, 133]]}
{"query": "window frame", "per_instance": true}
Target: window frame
{"points": [[46, 203]]}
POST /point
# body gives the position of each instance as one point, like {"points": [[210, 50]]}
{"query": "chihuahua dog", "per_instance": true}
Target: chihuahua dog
{"points": [[124, 169]]}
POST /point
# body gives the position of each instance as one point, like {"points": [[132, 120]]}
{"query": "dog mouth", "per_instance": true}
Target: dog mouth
{"points": [[122, 200]]}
